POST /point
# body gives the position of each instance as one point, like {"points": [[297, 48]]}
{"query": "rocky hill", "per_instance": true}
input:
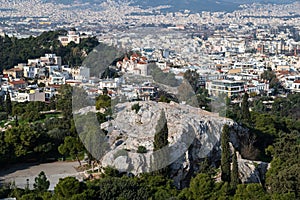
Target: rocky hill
{"points": [[193, 134]]}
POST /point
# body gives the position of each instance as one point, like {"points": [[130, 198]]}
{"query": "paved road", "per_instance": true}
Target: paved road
{"points": [[54, 171]]}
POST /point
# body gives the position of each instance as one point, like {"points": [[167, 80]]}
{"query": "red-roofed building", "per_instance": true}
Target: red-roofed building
{"points": [[18, 84]]}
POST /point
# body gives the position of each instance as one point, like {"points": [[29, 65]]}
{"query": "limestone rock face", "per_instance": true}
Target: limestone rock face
{"points": [[193, 134], [251, 171]]}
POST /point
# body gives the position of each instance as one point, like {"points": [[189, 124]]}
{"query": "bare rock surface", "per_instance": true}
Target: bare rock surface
{"points": [[193, 134]]}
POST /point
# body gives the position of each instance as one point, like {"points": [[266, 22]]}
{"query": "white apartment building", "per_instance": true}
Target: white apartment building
{"points": [[72, 36], [30, 71], [110, 83], [296, 86], [56, 79], [32, 95], [229, 87]]}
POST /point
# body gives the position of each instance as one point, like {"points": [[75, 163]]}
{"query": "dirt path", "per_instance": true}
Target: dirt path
{"points": [[54, 171]]}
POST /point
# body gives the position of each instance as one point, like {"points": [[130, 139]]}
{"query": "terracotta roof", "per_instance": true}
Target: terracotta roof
{"points": [[297, 81], [54, 86], [17, 82]]}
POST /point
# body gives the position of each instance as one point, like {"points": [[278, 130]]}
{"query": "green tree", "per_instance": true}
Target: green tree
{"points": [[202, 98], [284, 175], [225, 155], [64, 101], [245, 109], [136, 107], [234, 179], [41, 183], [159, 187], [22, 140], [161, 135], [111, 172], [6, 153], [201, 187], [160, 158], [141, 149], [193, 78], [8, 104], [68, 187], [103, 102], [31, 196], [120, 188], [250, 192], [222, 191], [72, 146]]}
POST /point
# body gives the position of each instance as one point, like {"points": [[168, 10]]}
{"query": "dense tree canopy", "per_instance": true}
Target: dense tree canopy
{"points": [[16, 51], [68, 187], [72, 146], [284, 175]]}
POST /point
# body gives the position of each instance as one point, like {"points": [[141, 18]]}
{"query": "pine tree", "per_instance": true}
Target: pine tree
{"points": [[234, 172], [225, 155], [41, 182], [8, 104], [245, 115]]}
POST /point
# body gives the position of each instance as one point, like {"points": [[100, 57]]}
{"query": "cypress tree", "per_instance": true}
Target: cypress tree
{"points": [[245, 115], [160, 159], [2, 105], [234, 172], [16, 121], [8, 104], [225, 155], [161, 136]]}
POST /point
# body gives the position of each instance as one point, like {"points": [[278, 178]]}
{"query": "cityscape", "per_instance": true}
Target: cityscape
{"points": [[127, 100]]}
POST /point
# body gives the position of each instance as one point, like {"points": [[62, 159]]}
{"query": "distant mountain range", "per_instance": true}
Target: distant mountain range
{"points": [[193, 5]]}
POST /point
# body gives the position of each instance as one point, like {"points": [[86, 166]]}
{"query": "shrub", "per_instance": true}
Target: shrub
{"points": [[142, 149], [136, 107]]}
